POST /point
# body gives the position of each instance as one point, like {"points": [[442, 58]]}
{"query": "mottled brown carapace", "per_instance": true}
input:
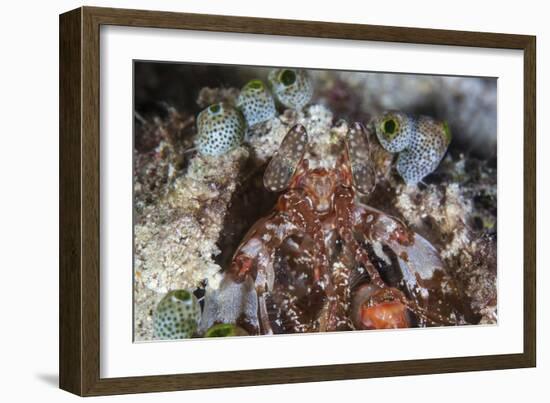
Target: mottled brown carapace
{"points": [[323, 261]]}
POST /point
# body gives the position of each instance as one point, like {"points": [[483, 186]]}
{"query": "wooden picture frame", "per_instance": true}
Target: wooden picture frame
{"points": [[79, 200]]}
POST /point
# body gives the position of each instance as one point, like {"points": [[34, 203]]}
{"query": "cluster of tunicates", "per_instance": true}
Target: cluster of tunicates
{"points": [[420, 141], [221, 127]]}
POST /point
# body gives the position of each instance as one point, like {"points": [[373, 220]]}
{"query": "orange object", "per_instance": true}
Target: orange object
{"points": [[385, 315]]}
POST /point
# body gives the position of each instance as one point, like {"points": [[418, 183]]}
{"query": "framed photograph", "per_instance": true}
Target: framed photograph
{"points": [[249, 201]]}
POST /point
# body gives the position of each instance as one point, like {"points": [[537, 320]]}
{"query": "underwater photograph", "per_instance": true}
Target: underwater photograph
{"points": [[283, 200]]}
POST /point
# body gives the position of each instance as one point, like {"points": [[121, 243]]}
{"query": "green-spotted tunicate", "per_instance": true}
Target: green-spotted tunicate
{"points": [[292, 87], [394, 130], [420, 141], [256, 103], [220, 128], [177, 315]]}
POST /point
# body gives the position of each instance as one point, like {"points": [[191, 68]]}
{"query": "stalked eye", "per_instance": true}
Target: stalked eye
{"points": [[281, 168], [287, 77], [358, 149]]}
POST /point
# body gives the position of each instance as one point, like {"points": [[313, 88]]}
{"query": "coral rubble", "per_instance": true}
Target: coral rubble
{"points": [[176, 232]]}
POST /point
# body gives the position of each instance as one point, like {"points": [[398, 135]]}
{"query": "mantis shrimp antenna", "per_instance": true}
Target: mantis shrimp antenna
{"points": [[358, 149], [282, 166]]}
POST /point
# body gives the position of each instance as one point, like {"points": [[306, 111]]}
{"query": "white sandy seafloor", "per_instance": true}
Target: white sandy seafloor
{"points": [[180, 210]]}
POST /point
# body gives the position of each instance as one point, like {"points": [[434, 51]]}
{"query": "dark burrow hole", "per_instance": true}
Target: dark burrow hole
{"points": [[250, 202]]}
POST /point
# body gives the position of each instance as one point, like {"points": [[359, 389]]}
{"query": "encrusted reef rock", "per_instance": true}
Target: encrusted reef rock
{"points": [[265, 139], [176, 241], [175, 238], [180, 205], [457, 212], [159, 151]]}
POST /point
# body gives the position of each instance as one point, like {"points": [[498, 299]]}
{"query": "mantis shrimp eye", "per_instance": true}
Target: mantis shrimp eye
{"points": [[256, 103], [220, 128], [291, 87], [177, 315], [394, 131], [358, 150], [282, 166]]}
